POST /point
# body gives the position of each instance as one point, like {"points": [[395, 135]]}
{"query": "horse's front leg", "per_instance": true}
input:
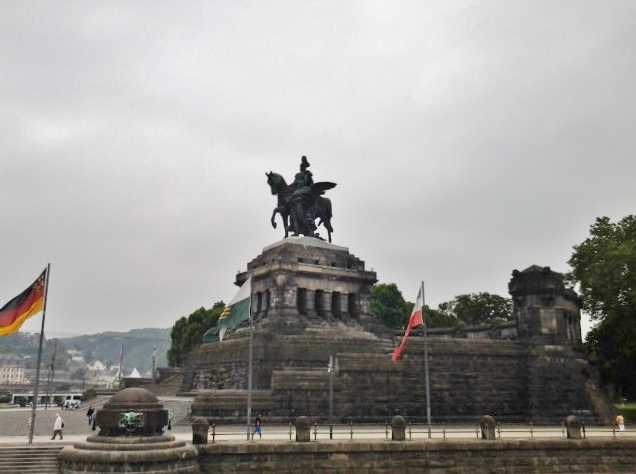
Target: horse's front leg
{"points": [[273, 216]]}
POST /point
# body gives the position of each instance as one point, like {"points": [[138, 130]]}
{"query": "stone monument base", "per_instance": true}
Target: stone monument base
{"points": [[156, 454]]}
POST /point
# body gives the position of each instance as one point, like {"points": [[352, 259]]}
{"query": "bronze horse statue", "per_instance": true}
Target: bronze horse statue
{"points": [[300, 207]]}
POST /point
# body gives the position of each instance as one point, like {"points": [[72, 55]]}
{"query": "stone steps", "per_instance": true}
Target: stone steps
{"points": [[29, 459], [169, 387], [180, 410]]}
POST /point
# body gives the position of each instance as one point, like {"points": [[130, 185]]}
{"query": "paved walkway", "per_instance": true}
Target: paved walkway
{"points": [[14, 429]]}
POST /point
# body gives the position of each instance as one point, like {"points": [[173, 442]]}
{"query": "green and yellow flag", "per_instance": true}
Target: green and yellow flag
{"points": [[234, 313]]}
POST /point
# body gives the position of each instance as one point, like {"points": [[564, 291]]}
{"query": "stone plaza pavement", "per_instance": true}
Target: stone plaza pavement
{"points": [[14, 429], [14, 425]]}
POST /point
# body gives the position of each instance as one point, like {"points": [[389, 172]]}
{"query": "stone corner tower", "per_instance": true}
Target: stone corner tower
{"points": [[547, 311]]}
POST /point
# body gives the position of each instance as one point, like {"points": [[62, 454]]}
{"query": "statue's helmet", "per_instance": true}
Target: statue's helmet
{"points": [[304, 162]]}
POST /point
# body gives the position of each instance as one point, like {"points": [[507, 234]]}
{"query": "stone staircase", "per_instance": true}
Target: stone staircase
{"points": [[169, 387], [180, 409], [38, 459]]}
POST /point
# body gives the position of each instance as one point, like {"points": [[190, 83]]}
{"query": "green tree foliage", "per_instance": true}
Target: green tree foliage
{"points": [[475, 309], [79, 374], [437, 319], [388, 306], [604, 269], [187, 333]]}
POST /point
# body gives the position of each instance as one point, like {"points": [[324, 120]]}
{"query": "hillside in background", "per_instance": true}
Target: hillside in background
{"points": [[138, 347], [104, 347]]}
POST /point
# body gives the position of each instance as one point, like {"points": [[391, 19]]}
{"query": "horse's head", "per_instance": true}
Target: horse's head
{"points": [[275, 181]]}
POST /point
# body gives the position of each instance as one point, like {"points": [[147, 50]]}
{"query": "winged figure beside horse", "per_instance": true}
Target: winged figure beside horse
{"points": [[301, 203]]}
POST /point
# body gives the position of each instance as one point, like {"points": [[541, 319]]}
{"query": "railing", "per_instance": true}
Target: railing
{"points": [[439, 432]]}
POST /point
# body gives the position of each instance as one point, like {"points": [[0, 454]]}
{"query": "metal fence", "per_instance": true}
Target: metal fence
{"points": [[439, 432]]}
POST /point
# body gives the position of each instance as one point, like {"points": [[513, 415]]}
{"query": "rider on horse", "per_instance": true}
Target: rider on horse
{"points": [[301, 201]]}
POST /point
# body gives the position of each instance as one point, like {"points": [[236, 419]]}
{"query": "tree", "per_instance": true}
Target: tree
{"points": [[388, 306], [437, 319], [79, 374], [604, 270], [187, 333], [480, 308]]}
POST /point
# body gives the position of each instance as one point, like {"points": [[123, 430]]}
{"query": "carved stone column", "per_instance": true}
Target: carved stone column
{"points": [[326, 304], [344, 306], [310, 303]]}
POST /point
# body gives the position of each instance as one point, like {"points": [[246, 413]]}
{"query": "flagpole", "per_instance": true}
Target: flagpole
{"points": [[249, 371], [121, 361], [37, 370], [426, 379]]}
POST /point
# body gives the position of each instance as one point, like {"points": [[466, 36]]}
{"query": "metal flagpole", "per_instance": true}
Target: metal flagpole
{"points": [[37, 370], [121, 362], [330, 370], [154, 368], [51, 375], [249, 370], [426, 380]]}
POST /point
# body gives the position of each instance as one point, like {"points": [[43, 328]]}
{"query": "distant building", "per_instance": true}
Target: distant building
{"points": [[11, 369], [134, 374], [97, 366]]}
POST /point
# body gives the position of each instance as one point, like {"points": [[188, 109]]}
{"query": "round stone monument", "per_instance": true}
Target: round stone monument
{"points": [[130, 439]]}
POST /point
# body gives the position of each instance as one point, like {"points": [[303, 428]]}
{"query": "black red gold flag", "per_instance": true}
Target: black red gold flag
{"points": [[23, 306]]}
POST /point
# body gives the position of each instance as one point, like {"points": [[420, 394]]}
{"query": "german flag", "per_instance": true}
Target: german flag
{"points": [[22, 307]]}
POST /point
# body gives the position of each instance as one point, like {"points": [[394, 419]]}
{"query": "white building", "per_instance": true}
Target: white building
{"points": [[11, 369]]}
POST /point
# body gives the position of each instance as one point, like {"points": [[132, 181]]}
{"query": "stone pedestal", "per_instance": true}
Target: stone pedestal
{"points": [[200, 428], [573, 427], [303, 429], [487, 425], [156, 454], [130, 440], [132, 412], [398, 428]]}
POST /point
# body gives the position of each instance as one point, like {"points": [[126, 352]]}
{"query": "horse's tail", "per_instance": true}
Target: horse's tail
{"points": [[323, 212], [327, 206]]}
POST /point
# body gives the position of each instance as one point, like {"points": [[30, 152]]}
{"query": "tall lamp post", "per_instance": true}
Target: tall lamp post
{"points": [[330, 371], [154, 368]]}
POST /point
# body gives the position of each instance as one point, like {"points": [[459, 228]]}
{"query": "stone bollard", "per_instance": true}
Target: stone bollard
{"points": [[487, 425], [200, 427], [303, 429], [398, 428], [573, 427]]}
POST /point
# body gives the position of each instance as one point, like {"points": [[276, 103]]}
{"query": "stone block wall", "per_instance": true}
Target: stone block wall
{"points": [[469, 457], [511, 381], [508, 380]]}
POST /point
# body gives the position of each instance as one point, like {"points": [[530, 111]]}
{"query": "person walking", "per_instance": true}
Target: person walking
{"points": [[57, 426], [89, 413], [257, 425], [29, 422], [620, 422]]}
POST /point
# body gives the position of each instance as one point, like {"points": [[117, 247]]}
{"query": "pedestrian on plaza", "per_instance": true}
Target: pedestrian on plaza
{"points": [[620, 422], [29, 422], [257, 425], [57, 426], [90, 413]]}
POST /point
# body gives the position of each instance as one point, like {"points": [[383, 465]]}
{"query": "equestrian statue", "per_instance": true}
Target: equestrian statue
{"points": [[301, 203]]}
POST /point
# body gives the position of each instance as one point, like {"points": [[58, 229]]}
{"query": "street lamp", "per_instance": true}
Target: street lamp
{"points": [[330, 371], [154, 368]]}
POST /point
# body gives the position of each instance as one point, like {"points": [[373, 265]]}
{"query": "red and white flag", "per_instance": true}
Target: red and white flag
{"points": [[415, 320]]}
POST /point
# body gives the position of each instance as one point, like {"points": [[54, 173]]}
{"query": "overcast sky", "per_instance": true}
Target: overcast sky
{"points": [[468, 139]]}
